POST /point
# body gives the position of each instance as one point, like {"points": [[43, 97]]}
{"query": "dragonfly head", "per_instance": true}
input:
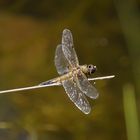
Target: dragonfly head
{"points": [[88, 69], [91, 69]]}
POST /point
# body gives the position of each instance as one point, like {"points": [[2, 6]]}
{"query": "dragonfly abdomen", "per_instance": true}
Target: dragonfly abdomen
{"points": [[57, 79], [47, 82], [61, 78]]}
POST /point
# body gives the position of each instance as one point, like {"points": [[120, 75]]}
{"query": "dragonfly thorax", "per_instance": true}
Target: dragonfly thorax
{"points": [[88, 69]]}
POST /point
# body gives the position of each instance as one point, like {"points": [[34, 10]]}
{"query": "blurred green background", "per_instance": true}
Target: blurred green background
{"points": [[106, 34]]}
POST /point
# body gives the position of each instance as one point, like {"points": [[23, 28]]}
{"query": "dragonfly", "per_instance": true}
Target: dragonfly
{"points": [[72, 76]]}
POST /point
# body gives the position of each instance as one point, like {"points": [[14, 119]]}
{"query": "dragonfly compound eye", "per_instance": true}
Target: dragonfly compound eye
{"points": [[89, 66]]}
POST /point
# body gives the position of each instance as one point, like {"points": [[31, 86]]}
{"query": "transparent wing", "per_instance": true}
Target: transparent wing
{"points": [[85, 86], [61, 62], [76, 96], [68, 49]]}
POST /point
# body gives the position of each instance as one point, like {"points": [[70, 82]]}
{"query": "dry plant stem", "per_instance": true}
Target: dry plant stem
{"points": [[54, 84]]}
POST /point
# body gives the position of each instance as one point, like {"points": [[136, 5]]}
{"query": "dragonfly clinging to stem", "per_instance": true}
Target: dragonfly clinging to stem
{"points": [[73, 77]]}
